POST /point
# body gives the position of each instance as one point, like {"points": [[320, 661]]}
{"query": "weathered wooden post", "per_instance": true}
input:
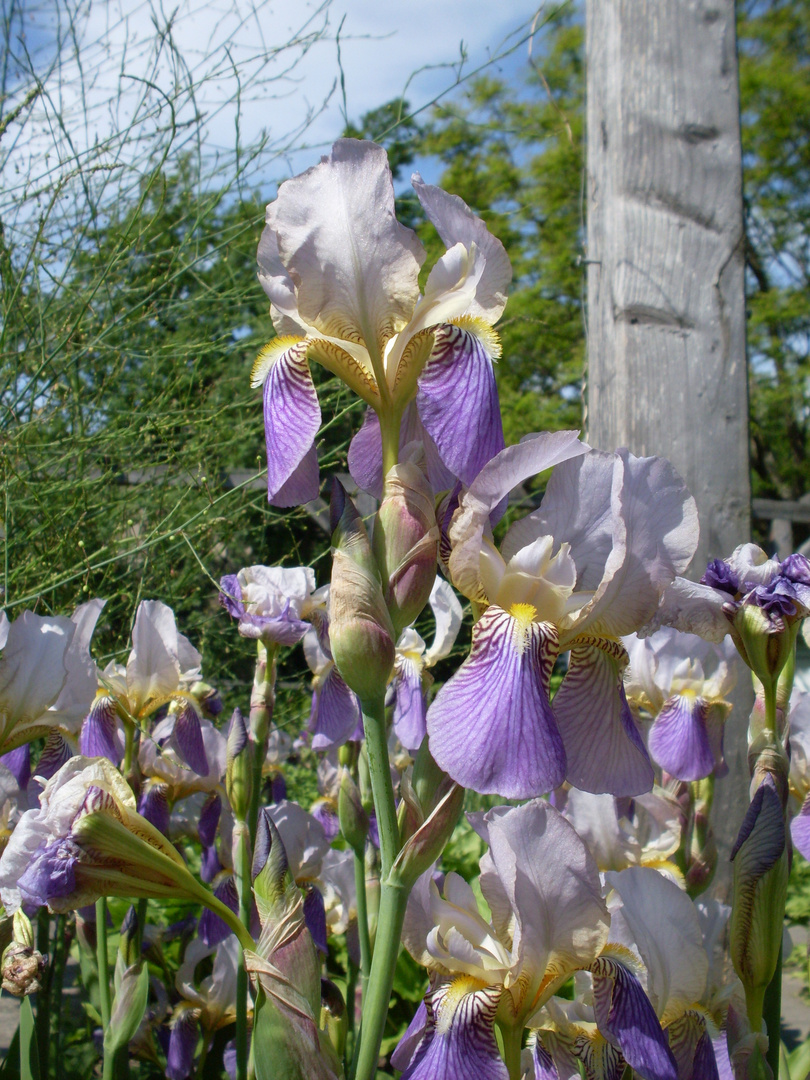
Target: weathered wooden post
{"points": [[666, 307]]}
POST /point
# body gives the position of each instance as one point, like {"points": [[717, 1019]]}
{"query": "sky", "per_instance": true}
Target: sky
{"points": [[293, 66]]}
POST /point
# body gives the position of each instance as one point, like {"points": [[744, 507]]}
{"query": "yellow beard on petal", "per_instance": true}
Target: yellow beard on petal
{"points": [[523, 614]]}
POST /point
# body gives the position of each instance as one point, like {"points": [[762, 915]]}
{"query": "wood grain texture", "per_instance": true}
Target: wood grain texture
{"points": [[666, 307]]}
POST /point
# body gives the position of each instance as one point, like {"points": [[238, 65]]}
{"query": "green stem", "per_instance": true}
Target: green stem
{"points": [[129, 743], [511, 1038], [60, 947], [43, 1018], [103, 961], [262, 703], [389, 429], [242, 866], [362, 922], [393, 901], [769, 697], [381, 786], [772, 1015]]}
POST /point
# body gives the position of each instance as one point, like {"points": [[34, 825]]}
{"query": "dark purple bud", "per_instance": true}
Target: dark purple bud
{"points": [[18, 763], [209, 819], [719, 575], [182, 1044], [278, 787], [188, 741], [154, 806], [315, 917], [55, 753], [211, 929], [97, 737], [774, 598]]}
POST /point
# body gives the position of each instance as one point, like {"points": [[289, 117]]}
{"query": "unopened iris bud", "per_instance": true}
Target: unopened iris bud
{"points": [[361, 633], [768, 639], [271, 870], [128, 951], [406, 539], [761, 869], [238, 771], [433, 804], [334, 1017], [353, 818]]}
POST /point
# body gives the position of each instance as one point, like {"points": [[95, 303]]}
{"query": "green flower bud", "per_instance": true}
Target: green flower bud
{"points": [[238, 772], [353, 818], [768, 641], [761, 869], [430, 808], [334, 1017], [405, 543], [361, 633]]}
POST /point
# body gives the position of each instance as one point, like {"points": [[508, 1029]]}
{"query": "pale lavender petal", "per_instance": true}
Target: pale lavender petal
{"points": [[410, 707], [187, 741], [460, 1039], [325, 813], [800, 829], [722, 1060], [408, 1044], [51, 873], [457, 400], [365, 456], [603, 747], [692, 608], [543, 1062], [335, 712], [491, 726], [627, 1019], [18, 763], [182, 1044], [292, 417], [679, 739], [97, 738], [56, 751]]}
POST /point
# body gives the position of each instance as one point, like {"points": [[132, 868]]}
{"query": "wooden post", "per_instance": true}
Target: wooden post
{"points": [[666, 307]]}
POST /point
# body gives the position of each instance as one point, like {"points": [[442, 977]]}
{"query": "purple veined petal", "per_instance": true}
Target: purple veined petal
{"points": [[410, 707], [154, 806], [187, 741], [97, 738], [51, 873], [292, 417], [182, 1044], [365, 453], [599, 1058], [409, 1043], [800, 829], [691, 1045], [603, 747], [18, 763], [56, 751], [457, 400], [315, 917], [230, 595], [680, 740], [542, 1061], [211, 929], [365, 456], [209, 819], [625, 1016], [460, 1038], [335, 712], [722, 1060], [491, 726], [325, 813]]}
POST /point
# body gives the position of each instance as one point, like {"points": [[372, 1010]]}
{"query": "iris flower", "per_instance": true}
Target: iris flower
{"points": [[342, 277], [585, 568], [683, 682]]}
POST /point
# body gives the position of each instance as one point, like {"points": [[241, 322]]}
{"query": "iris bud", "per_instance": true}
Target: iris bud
{"points": [[361, 633], [406, 539], [353, 818], [22, 965], [238, 771], [768, 641]]}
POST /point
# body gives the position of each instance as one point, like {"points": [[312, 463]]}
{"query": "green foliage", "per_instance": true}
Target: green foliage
{"points": [[775, 101]]}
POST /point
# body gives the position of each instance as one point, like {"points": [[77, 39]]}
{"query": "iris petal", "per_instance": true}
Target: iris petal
{"points": [[681, 740], [602, 744], [292, 417], [460, 1040], [491, 726], [457, 401]]}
